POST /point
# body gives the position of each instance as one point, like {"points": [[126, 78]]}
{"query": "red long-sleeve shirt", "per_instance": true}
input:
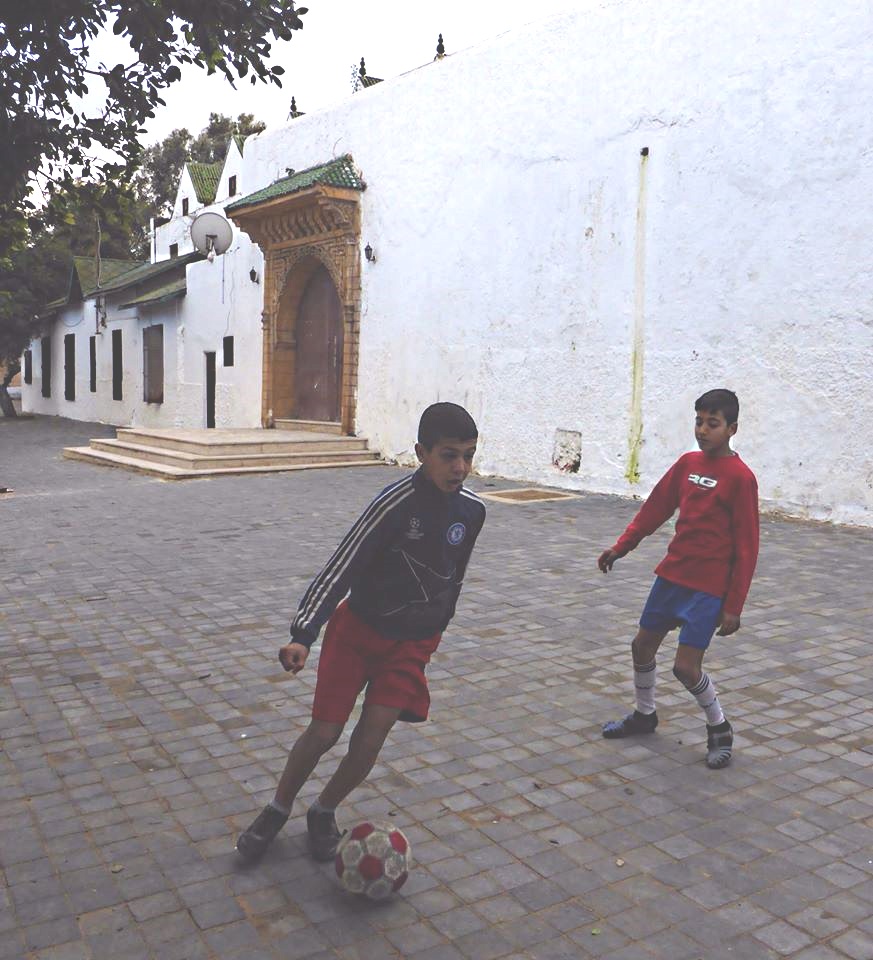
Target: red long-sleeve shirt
{"points": [[715, 548]]}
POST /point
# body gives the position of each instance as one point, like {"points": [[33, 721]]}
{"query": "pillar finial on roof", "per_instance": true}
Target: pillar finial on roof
{"points": [[441, 50], [294, 113], [362, 79]]}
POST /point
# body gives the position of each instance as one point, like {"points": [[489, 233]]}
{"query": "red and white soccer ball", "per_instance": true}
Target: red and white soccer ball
{"points": [[373, 859]]}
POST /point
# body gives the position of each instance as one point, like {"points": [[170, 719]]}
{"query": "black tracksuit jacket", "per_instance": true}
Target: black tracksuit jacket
{"points": [[402, 563]]}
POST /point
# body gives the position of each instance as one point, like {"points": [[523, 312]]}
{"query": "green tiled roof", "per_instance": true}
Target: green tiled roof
{"points": [[149, 271], [117, 275], [175, 288], [85, 270], [370, 81], [240, 141], [338, 173], [205, 177]]}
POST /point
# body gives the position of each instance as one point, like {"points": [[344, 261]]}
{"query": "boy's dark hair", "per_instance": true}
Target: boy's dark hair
{"points": [[720, 401], [445, 420]]}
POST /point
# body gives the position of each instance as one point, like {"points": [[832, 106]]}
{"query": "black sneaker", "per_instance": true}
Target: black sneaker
{"points": [[253, 842], [631, 725], [324, 834], [719, 745]]}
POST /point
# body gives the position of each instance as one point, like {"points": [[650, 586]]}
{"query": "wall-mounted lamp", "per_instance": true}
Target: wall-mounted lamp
{"points": [[253, 276], [370, 254]]}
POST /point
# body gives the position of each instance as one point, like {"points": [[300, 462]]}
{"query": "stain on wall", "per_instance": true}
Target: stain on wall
{"points": [[635, 430]]}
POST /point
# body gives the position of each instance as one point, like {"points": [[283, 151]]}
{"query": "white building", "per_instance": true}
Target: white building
{"points": [[170, 343], [574, 230]]}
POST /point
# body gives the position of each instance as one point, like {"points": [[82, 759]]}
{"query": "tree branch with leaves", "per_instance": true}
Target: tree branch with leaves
{"points": [[45, 74]]}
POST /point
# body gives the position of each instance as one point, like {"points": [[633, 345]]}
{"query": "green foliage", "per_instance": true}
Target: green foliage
{"points": [[44, 72], [72, 223]]}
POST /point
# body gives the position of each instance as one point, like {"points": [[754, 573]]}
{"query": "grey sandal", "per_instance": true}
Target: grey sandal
{"points": [[719, 745]]}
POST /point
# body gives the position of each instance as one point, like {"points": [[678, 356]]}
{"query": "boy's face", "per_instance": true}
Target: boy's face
{"points": [[713, 433], [447, 463]]}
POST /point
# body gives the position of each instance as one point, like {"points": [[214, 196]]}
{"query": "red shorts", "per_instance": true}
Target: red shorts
{"points": [[354, 656]]}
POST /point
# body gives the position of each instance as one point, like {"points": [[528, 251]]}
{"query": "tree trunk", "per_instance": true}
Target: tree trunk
{"points": [[6, 404]]}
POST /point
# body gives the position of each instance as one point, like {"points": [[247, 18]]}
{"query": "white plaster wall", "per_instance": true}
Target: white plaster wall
{"points": [[502, 203], [99, 406], [233, 163], [178, 231], [222, 301], [194, 324], [185, 191]]}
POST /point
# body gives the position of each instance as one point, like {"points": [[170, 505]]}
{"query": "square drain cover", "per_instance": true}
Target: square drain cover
{"points": [[526, 495]]}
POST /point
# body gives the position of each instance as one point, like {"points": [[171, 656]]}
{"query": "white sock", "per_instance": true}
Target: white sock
{"points": [[705, 694], [318, 807], [644, 684], [285, 811]]}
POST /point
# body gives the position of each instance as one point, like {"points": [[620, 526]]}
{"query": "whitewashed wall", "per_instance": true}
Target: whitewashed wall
{"points": [[221, 301], [504, 196]]}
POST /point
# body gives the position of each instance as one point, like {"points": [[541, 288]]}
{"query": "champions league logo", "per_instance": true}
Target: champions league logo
{"points": [[456, 533]]}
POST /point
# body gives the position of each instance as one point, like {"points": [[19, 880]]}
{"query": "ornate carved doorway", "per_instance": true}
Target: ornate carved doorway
{"points": [[308, 227]]}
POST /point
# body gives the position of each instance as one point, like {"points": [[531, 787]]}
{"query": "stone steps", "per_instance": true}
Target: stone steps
{"points": [[318, 426], [239, 442], [188, 454]]}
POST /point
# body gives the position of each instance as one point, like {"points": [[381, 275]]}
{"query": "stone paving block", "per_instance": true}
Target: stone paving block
{"points": [[13, 945], [857, 945], [76, 950], [374, 947], [51, 933], [783, 937], [125, 943]]}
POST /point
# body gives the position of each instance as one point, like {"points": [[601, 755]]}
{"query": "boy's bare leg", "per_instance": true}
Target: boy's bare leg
{"points": [[645, 645], [317, 738], [688, 665], [688, 668], [312, 744], [364, 745], [644, 719]]}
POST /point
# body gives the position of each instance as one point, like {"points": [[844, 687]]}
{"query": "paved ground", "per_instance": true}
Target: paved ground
{"points": [[144, 720]]}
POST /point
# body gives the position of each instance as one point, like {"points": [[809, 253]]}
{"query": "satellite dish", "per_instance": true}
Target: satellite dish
{"points": [[211, 234]]}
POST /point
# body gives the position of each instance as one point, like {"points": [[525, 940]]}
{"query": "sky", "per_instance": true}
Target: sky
{"points": [[393, 35]]}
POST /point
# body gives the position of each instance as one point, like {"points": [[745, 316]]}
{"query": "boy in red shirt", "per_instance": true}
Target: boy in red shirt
{"points": [[702, 582]]}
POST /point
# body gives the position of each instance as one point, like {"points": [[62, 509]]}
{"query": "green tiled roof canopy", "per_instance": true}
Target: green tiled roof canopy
{"points": [[338, 173], [175, 288], [85, 269], [117, 275], [205, 177], [148, 271]]}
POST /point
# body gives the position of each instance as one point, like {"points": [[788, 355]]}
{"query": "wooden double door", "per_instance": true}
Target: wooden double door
{"points": [[318, 354]]}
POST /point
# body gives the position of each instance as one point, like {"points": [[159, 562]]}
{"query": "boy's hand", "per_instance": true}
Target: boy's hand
{"points": [[607, 559], [292, 656], [729, 623]]}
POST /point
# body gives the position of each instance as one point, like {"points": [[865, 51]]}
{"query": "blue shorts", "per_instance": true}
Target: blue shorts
{"points": [[670, 606]]}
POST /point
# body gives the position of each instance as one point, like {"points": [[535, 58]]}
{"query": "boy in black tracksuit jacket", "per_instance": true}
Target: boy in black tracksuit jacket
{"points": [[402, 565]]}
